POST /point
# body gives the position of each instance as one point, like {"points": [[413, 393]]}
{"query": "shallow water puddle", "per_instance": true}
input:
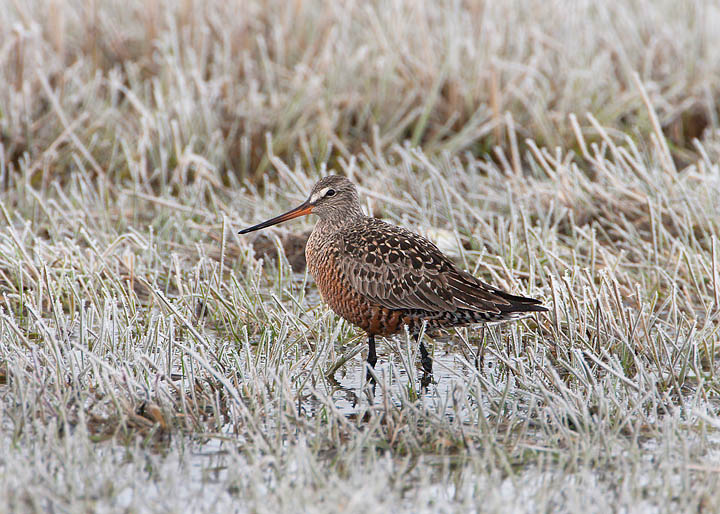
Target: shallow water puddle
{"points": [[400, 382]]}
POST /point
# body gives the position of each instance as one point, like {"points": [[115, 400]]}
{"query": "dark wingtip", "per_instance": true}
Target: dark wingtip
{"points": [[531, 308], [521, 303]]}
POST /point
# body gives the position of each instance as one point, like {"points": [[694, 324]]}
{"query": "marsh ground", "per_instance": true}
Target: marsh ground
{"points": [[149, 361]]}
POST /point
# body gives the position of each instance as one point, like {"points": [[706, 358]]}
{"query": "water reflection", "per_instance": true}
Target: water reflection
{"points": [[401, 379]]}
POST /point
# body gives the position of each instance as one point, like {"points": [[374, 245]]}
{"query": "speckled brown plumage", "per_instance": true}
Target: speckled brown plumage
{"points": [[382, 278]]}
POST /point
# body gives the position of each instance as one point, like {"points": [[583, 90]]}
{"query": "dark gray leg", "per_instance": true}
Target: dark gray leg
{"points": [[425, 358], [372, 356]]}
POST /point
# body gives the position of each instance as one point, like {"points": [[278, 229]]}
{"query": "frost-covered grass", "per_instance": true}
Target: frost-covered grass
{"points": [[149, 361]]}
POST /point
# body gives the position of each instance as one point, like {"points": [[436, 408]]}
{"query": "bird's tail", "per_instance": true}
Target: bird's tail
{"points": [[519, 304]]}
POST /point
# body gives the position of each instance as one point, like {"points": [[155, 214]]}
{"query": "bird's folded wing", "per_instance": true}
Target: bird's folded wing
{"points": [[398, 269]]}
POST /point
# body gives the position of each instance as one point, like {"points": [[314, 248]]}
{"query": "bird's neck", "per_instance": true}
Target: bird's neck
{"points": [[325, 228], [329, 226]]}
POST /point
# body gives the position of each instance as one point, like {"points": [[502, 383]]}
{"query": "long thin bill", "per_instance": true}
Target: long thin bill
{"points": [[301, 210]]}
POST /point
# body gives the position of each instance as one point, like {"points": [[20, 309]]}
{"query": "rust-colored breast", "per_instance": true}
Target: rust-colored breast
{"points": [[343, 298]]}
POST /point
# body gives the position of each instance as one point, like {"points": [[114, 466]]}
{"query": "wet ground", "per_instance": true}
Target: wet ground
{"points": [[400, 379]]}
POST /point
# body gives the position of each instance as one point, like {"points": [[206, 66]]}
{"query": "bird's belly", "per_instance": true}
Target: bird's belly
{"points": [[337, 291]]}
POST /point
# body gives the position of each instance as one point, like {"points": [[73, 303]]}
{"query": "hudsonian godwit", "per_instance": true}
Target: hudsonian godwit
{"points": [[382, 278]]}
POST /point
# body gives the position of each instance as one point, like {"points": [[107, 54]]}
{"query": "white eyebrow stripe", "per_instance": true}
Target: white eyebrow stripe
{"points": [[314, 198]]}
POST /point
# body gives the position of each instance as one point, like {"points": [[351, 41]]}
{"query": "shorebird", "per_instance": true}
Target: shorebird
{"points": [[383, 278]]}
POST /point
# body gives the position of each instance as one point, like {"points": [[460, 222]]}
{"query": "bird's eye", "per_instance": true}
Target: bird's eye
{"points": [[330, 192]]}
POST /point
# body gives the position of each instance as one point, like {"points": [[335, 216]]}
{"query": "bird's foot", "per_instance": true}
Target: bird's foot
{"points": [[370, 383], [426, 380], [370, 374]]}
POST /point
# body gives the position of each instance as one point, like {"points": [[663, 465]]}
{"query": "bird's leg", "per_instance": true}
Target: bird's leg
{"points": [[426, 364], [371, 358], [425, 358]]}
